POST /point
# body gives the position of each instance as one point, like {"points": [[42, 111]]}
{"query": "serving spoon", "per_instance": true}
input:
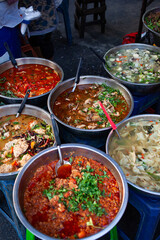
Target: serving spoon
{"points": [[100, 58], [23, 103], [77, 78], [13, 61], [109, 119], [62, 168]]}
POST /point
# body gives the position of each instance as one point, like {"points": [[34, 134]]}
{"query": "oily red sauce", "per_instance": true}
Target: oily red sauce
{"points": [[64, 171], [38, 78], [81, 108], [75, 207]]}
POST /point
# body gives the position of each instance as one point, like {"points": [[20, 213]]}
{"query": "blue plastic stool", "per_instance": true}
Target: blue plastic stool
{"points": [[6, 186], [63, 8], [149, 209], [144, 102]]}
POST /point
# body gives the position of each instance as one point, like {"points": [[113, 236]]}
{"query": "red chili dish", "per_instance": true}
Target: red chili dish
{"points": [[38, 78], [74, 207]]}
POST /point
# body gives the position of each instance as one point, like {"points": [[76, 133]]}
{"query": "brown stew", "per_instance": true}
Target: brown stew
{"points": [[81, 108], [80, 205], [20, 139]]}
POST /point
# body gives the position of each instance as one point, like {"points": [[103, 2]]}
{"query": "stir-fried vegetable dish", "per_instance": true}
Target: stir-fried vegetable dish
{"points": [[20, 139], [135, 65], [73, 207], [81, 108], [38, 78], [153, 21], [138, 153]]}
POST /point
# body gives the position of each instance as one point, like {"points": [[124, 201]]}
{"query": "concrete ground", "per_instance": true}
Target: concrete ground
{"points": [[122, 17]]}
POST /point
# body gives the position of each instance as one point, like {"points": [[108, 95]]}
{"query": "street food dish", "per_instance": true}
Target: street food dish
{"points": [[135, 65], [74, 207], [20, 139], [81, 108], [38, 78], [138, 152]]}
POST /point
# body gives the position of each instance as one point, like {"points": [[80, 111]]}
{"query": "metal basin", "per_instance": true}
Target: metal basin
{"points": [[156, 35], [29, 110], [94, 137], [110, 138], [40, 100], [137, 89], [51, 154]]}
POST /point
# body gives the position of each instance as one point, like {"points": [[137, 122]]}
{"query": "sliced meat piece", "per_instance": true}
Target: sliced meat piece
{"points": [[24, 159], [20, 147], [5, 168], [40, 131]]}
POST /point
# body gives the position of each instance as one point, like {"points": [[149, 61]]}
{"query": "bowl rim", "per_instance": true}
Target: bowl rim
{"points": [[13, 174], [147, 13], [125, 46], [140, 189], [84, 77], [37, 59], [40, 235]]}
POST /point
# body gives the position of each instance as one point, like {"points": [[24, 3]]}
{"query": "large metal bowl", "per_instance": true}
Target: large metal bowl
{"points": [[29, 110], [94, 137], [51, 154], [156, 35], [40, 100], [110, 138], [137, 89]]}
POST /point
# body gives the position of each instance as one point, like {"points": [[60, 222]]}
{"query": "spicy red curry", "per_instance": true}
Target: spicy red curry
{"points": [[38, 78], [73, 207]]}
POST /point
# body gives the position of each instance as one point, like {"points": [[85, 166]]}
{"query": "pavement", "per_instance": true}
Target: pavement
{"points": [[122, 17]]}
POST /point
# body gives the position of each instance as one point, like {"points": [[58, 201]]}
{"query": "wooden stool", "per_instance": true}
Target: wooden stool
{"points": [[96, 8]]}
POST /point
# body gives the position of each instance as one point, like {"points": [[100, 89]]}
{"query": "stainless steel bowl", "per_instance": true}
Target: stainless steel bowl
{"points": [[51, 155], [156, 35], [137, 89], [94, 137], [40, 100], [29, 110], [111, 136]]}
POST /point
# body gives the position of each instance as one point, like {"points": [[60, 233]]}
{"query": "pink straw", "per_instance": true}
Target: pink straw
{"points": [[109, 119]]}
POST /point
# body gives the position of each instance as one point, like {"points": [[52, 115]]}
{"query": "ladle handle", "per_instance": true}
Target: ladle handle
{"points": [[55, 129], [78, 71], [102, 60], [23, 103], [10, 55]]}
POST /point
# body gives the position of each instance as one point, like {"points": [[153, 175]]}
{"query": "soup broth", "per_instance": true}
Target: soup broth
{"points": [[20, 139], [81, 108], [138, 153]]}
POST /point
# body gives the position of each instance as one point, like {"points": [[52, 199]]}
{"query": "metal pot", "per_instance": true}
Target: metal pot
{"points": [[112, 134], [94, 137], [40, 100], [156, 35], [29, 110], [137, 89], [50, 155]]}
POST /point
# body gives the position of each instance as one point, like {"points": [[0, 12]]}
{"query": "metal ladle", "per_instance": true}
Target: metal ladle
{"points": [[62, 168], [13, 61], [23, 103], [77, 75]]}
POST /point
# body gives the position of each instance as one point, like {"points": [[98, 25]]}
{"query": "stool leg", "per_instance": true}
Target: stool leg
{"points": [[102, 17], [63, 8]]}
